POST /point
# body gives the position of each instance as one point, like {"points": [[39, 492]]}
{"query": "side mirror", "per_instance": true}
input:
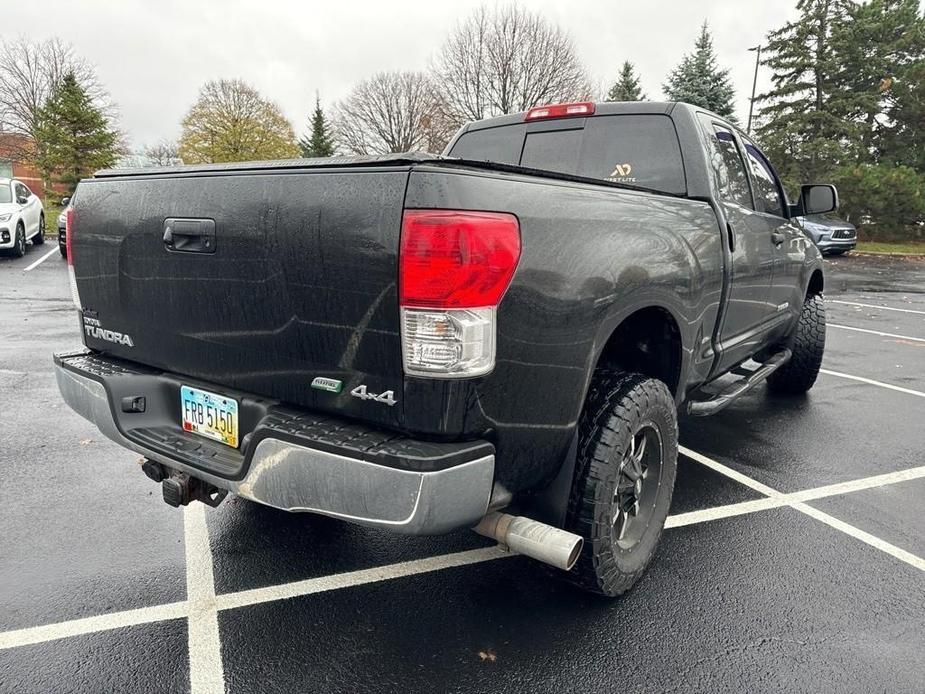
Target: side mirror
{"points": [[65, 201], [22, 199], [818, 198]]}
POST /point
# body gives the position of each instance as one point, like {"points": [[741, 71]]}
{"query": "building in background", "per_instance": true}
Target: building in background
{"points": [[14, 149]]}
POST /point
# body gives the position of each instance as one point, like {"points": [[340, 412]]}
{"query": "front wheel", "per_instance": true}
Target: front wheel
{"points": [[19, 243], [799, 374], [624, 479]]}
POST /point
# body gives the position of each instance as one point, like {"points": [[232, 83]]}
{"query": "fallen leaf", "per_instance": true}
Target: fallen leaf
{"points": [[488, 655], [84, 442]]}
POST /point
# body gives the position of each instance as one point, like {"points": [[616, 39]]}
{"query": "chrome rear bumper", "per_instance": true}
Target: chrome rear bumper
{"points": [[299, 477]]}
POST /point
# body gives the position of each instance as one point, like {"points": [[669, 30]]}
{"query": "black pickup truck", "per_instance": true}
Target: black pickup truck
{"points": [[499, 337]]}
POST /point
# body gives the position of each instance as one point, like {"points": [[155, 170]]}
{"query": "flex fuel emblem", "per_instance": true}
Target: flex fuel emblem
{"points": [[330, 385]]}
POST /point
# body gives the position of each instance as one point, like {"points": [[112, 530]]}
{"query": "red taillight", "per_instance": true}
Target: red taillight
{"points": [[582, 108], [453, 259], [69, 234]]}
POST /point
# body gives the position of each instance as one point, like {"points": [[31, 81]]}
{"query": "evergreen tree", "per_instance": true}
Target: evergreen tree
{"points": [[847, 105], [698, 80], [319, 143], [627, 87], [73, 136], [880, 53], [800, 121]]}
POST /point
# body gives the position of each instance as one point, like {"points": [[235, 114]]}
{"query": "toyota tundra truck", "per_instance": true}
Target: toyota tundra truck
{"points": [[500, 338]]}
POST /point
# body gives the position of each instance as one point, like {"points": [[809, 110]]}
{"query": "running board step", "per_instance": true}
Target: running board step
{"points": [[703, 408]]}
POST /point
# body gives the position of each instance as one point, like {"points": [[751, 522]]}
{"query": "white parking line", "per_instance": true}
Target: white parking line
{"points": [[203, 604], [863, 536], [769, 502], [205, 650], [41, 260], [885, 308], [91, 625], [321, 584], [876, 332], [831, 521], [872, 382]]}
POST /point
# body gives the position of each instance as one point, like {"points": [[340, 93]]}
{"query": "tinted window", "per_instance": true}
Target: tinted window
{"points": [[556, 150], [492, 144], [727, 165], [23, 191], [640, 150], [767, 192]]}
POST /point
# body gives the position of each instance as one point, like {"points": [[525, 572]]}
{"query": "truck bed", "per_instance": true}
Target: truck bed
{"points": [[302, 283]]}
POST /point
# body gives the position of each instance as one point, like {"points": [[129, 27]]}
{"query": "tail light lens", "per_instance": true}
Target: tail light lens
{"points": [[69, 229], [453, 271]]}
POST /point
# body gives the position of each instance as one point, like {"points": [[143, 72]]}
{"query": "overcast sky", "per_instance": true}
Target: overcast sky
{"points": [[154, 55]]}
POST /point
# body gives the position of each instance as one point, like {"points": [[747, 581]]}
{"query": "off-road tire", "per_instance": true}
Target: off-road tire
{"points": [[19, 245], [619, 408], [39, 238], [799, 374]]}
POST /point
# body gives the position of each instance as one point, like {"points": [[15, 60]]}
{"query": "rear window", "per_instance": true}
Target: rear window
{"points": [[640, 150]]}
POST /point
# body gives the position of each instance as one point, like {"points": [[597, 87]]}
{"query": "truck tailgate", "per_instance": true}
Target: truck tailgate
{"points": [[297, 282]]}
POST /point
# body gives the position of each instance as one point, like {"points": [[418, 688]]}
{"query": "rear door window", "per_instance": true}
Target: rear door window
{"points": [[767, 190], [727, 165]]}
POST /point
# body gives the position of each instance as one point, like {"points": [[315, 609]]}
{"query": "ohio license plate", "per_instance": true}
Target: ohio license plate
{"points": [[210, 415]]}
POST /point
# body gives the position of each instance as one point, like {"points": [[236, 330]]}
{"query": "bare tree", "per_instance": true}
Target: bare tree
{"points": [[163, 153], [392, 112], [505, 60], [29, 73]]}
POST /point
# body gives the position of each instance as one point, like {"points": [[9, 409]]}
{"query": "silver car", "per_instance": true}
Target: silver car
{"points": [[831, 236]]}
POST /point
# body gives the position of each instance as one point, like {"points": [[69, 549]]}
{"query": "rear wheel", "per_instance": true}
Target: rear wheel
{"points": [[799, 374], [19, 244], [39, 238], [624, 479]]}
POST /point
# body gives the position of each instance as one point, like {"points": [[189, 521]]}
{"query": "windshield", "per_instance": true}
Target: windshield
{"points": [[6, 194], [640, 150]]}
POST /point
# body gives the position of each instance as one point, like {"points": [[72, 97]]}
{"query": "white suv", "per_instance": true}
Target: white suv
{"points": [[22, 217]]}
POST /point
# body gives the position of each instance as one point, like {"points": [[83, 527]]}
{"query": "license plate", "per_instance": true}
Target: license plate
{"points": [[210, 415]]}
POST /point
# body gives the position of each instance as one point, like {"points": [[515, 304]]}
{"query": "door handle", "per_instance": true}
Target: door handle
{"points": [[777, 238], [730, 232]]}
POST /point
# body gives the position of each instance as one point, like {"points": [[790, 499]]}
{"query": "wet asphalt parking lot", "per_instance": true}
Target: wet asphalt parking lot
{"points": [[794, 558]]}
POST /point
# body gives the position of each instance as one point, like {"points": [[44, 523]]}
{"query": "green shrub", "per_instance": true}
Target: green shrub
{"points": [[885, 202]]}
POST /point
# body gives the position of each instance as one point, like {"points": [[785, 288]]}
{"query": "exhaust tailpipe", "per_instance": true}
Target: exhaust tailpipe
{"points": [[533, 539]]}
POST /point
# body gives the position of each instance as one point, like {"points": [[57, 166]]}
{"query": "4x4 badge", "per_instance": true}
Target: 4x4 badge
{"points": [[386, 398]]}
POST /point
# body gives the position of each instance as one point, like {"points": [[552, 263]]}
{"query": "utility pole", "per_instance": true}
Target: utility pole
{"points": [[751, 105]]}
